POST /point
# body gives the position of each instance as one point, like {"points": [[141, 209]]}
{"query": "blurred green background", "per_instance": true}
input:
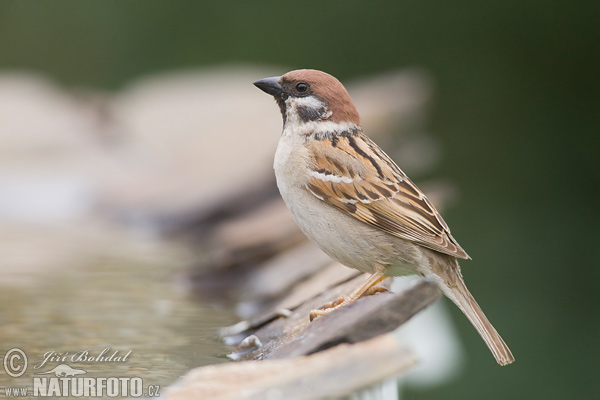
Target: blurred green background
{"points": [[517, 99]]}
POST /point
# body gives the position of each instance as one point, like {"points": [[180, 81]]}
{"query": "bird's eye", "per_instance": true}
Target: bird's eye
{"points": [[301, 87]]}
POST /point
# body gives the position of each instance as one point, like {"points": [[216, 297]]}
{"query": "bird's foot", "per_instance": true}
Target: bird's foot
{"points": [[343, 301], [329, 307], [375, 290]]}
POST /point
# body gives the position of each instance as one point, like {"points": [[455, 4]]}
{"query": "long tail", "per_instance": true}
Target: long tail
{"points": [[461, 296], [447, 270]]}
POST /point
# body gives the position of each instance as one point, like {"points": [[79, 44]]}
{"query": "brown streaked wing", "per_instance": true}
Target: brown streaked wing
{"points": [[357, 177]]}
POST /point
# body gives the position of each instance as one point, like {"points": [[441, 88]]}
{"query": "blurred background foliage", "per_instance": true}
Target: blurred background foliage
{"points": [[517, 100]]}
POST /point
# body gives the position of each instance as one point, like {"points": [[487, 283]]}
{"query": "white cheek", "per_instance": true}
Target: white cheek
{"points": [[309, 102]]}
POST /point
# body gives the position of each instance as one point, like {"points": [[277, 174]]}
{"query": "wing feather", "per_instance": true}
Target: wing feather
{"points": [[353, 174]]}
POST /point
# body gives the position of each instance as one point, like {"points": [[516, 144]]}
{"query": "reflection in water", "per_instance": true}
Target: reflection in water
{"points": [[118, 296]]}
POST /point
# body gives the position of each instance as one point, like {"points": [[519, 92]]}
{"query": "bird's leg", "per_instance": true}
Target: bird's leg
{"points": [[366, 289]]}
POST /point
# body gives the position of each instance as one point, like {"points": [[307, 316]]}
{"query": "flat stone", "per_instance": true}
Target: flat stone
{"points": [[326, 285], [309, 377], [364, 319]]}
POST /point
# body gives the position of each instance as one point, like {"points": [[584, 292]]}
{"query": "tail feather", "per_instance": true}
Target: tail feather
{"points": [[461, 296]]}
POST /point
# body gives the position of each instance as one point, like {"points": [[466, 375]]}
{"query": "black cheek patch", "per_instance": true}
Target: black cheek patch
{"points": [[307, 114]]}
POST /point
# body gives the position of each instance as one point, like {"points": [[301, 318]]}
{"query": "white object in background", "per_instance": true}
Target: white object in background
{"points": [[43, 199]]}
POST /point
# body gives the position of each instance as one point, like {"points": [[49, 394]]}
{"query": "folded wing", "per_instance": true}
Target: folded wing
{"points": [[352, 173]]}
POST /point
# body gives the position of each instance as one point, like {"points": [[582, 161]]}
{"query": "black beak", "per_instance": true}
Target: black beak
{"points": [[270, 85]]}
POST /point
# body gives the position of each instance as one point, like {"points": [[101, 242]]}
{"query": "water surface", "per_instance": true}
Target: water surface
{"points": [[110, 290]]}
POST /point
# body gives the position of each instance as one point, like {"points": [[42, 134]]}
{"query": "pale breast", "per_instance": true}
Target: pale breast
{"points": [[291, 161]]}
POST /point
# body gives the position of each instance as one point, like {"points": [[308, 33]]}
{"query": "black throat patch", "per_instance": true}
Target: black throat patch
{"points": [[281, 103]]}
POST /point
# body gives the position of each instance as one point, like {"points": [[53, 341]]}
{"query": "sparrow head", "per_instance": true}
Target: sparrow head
{"points": [[307, 96]]}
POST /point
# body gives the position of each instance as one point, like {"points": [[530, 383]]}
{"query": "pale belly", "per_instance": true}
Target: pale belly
{"points": [[348, 240]]}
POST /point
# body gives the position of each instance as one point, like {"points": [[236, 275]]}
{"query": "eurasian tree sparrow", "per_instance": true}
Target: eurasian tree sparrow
{"points": [[354, 202]]}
